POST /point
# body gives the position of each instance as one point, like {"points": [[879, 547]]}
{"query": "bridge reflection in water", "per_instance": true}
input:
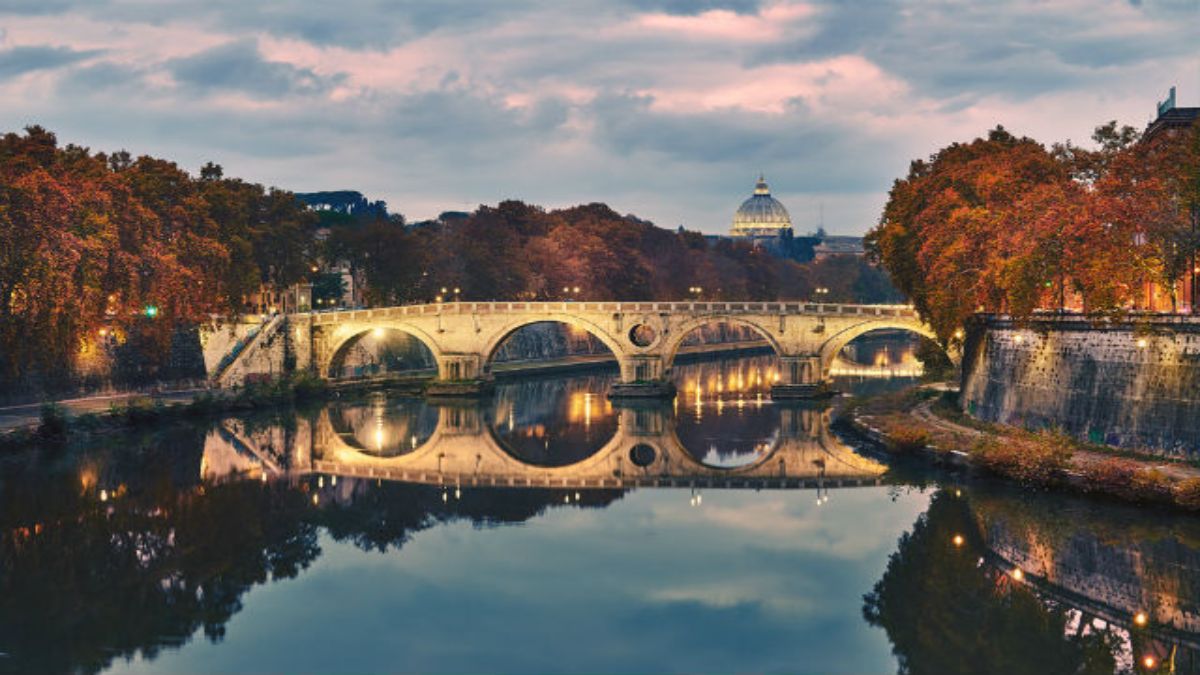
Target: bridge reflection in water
{"points": [[1095, 581], [563, 432]]}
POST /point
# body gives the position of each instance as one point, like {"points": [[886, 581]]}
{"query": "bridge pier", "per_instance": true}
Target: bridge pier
{"points": [[800, 378], [643, 376], [461, 375]]}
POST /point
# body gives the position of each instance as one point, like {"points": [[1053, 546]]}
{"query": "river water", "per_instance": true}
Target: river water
{"points": [[546, 529]]}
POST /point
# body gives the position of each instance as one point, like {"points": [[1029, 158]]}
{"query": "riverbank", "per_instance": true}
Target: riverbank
{"points": [[926, 422], [58, 425]]}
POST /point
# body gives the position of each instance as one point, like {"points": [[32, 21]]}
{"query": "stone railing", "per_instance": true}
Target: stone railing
{"points": [[718, 308]]}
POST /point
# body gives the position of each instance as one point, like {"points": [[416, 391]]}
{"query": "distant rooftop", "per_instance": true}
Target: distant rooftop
{"points": [[1171, 117]]}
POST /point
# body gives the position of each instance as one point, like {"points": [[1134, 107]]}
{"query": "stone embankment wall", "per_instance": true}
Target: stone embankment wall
{"points": [[1130, 384]]}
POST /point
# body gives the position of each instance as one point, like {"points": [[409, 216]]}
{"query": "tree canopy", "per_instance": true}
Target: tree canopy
{"points": [[102, 246], [1003, 224], [516, 251]]}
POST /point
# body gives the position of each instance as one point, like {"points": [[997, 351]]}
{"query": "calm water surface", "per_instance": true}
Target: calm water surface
{"points": [[549, 530]]}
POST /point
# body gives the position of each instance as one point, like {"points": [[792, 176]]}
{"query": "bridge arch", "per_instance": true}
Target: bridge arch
{"points": [[838, 341], [675, 342], [347, 337], [493, 343]]}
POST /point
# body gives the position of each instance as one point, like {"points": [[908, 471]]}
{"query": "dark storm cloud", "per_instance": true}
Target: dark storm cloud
{"points": [[239, 66], [20, 60]]}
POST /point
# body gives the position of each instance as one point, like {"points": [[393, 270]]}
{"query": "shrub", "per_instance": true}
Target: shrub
{"points": [[906, 440], [202, 404], [1150, 484], [1187, 493], [308, 386], [1037, 458], [142, 410], [54, 422], [1128, 479], [1113, 475]]}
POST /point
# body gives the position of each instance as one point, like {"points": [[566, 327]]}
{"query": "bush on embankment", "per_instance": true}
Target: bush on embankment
{"points": [[1187, 494], [907, 440], [1040, 458], [1128, 479], [54, 423]]}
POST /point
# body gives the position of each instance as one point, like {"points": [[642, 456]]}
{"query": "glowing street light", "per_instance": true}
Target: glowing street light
{"points": [[958, 540], [1140, 619]]}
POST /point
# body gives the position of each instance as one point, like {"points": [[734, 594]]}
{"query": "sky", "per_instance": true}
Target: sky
{"points": [[666, 109]]}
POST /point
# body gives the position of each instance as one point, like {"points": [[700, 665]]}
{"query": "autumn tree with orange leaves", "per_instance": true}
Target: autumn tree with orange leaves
{"points": [[91, 242], [1002, 224]]}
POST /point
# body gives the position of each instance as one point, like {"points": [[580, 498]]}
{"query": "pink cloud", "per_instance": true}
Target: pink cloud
{"points": [[850, 81]]}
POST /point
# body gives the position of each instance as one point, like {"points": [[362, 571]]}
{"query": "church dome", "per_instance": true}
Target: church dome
{"points": [[761, 215]]}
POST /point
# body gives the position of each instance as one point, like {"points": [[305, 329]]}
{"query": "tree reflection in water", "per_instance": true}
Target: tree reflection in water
{"points": [[84, 580], [123, 550], [946, 611]]}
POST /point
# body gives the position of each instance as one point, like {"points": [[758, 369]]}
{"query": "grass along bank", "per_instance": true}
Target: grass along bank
{"points": [[927, 422]]}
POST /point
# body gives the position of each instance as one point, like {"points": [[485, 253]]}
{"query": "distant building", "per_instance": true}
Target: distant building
{"points": [[761, 219], [834, 245], [1170, 118]]}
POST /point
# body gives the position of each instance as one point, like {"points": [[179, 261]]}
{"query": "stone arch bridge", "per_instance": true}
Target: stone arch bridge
{"points": [[644, 337]]}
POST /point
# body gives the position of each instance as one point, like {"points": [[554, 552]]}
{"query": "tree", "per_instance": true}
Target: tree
{"points": [[104, 249]]}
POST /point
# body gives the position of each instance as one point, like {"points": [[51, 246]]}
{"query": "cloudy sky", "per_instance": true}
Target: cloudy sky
{"points": [[663, 108]]}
